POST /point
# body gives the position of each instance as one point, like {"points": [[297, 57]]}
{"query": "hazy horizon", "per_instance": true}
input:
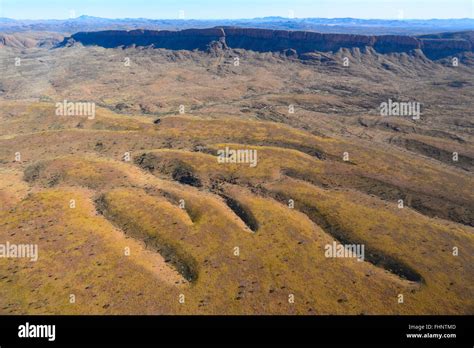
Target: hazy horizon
{"points": [[243, 9], [234, 19]]}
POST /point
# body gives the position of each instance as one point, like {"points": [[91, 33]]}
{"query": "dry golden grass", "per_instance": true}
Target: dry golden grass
{"points": [[191, 249], [424, 244], [82, 254]]}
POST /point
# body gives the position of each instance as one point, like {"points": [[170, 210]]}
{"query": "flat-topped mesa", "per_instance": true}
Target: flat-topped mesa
{"points": [[264, 40], [189, 39], [394, 43], [440, 48]]}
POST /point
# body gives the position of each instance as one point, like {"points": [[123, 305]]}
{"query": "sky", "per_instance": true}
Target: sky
{"points": [[232, 9]]}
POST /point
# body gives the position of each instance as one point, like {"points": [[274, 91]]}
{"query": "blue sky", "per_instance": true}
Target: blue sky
{"points": [[218, 9]]}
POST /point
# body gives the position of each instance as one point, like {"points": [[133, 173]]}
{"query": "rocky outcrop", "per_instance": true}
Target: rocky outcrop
{"points": [[29, 40], [440, 48], [16, 42], [393, 43], [263, 40], [189, 39]]}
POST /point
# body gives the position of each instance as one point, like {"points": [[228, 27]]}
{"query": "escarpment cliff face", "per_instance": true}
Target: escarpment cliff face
{"points": [[263, 40], [189, 39], [303, 42], [440, 48]]}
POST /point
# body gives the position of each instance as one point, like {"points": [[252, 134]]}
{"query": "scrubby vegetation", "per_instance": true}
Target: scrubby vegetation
{"points": [[231, 244], [134, 214]]}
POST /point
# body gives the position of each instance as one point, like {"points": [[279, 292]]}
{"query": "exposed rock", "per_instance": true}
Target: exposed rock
{"points": [[439, 48], [292, 43], [30, 40], [217, 48]]}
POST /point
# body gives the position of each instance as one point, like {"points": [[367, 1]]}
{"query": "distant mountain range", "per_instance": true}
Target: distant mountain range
{"points": [[323, 25]]}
